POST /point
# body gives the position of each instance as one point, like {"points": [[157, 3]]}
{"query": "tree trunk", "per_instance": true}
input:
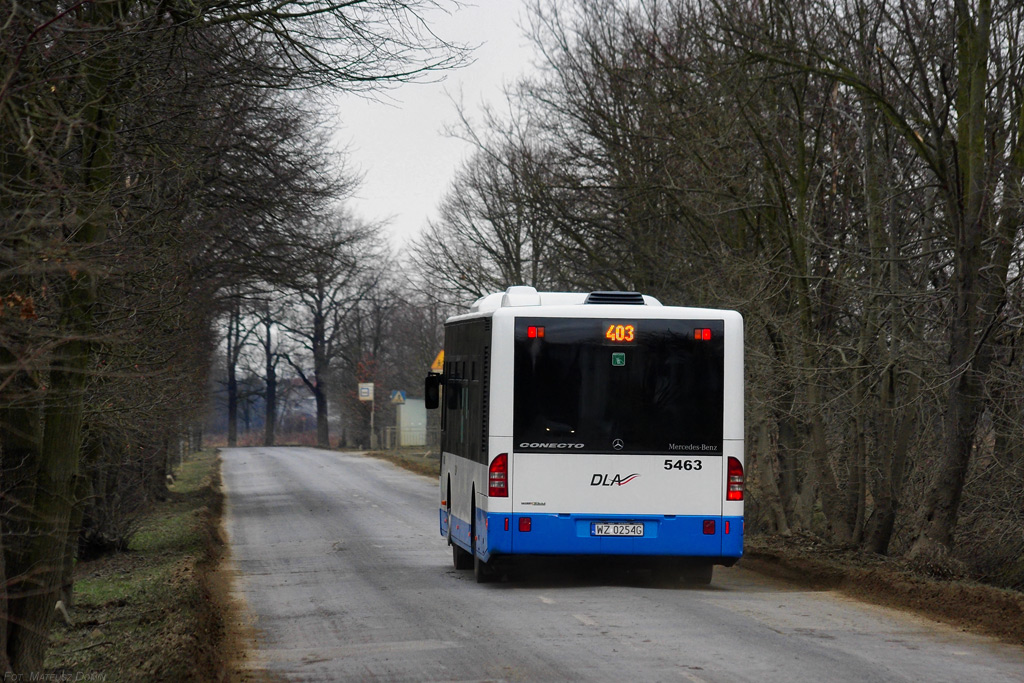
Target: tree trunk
{"points": [[320, 384], [156, 471], [32, 611], [793, 480], [5, 666], [795, 492], [322, 432], [856, 482], [820, 469], [232, 393], [235, 339], [20, 441], [942, 497], [897, 426], [969, 350], [270, 400], [762, 462], [83, 487], [894, 419]]}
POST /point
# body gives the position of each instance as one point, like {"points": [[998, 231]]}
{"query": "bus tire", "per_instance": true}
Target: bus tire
{"points": [[482, 572], [668, 574], [699, 574], [460, 558]]}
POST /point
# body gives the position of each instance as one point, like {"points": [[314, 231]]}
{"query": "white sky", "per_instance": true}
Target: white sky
{"points": [[398, 142]]}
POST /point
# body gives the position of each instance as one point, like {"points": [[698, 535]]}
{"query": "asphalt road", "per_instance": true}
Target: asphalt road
{"points": [[340, 563]]}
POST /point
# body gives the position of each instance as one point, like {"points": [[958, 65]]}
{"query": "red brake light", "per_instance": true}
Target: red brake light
{"points": [[734, 485], [497, 477]]}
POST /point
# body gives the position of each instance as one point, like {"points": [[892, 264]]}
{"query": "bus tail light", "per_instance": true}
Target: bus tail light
{"points": [[734, 487], [497, 477]]}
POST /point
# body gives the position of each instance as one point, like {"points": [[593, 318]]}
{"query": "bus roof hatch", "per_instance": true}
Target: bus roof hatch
{"points": [[628, 298]]}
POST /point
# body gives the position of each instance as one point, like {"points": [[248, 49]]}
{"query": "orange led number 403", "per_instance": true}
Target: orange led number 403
{"points": [[620, 333]]}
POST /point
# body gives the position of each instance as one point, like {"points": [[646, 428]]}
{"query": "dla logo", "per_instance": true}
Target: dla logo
{"points": [[612, 479]]}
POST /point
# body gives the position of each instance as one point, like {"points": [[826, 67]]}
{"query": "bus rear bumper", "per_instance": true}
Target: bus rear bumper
{"points": [[717, 538]]}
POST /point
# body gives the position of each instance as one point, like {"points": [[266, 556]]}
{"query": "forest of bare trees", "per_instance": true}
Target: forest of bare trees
{"points": [[848, 175], [343, 315], [159, 162]]}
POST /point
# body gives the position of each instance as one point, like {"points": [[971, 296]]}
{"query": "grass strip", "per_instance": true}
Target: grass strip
{"points": [[414, 460], [148, 613]]}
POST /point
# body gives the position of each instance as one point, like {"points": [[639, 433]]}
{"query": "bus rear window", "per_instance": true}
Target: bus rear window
{"points": [[603, 386]]}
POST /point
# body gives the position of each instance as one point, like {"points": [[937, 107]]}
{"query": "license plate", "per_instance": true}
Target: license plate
{"points": [[616, 529]]}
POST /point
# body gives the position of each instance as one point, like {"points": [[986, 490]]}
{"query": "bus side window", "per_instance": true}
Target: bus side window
{"points": [[454, 393]]}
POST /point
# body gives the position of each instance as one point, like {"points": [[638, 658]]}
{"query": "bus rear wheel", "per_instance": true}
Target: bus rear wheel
{"points": [[699, 574], [460, 558], [671, 573], [482, 571]]}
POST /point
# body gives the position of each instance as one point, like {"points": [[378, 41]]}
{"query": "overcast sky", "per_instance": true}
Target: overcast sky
{"points": [[398, 142]]}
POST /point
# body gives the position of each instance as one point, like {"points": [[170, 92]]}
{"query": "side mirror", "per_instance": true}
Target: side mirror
{"points": [[432, 391]]}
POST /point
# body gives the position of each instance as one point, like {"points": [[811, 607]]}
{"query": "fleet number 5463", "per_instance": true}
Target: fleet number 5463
{"points": [[687, 465]]}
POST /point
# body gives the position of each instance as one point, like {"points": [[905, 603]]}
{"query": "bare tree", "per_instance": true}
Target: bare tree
{"points": [[942, 81], [94, 102], [333, 271], [269, 338], [495, 228], [847, 176]]}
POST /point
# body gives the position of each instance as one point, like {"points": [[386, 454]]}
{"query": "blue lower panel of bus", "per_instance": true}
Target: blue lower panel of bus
{"points": [[676, 536]]}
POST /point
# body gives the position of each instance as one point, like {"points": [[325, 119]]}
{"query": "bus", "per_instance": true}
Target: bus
{"points": [[599, 424]]}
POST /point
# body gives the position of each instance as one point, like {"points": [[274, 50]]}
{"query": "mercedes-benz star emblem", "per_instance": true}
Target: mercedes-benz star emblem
{"points": [[618, 445]]}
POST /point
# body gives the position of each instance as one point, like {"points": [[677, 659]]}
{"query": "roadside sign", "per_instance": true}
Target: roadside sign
{"points": [[438, 364], [366, 391], [398, 396]]}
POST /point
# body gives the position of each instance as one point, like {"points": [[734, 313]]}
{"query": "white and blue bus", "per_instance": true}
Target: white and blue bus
{"points": [[600, 424]]}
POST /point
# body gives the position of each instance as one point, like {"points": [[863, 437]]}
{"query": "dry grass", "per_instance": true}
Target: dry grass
{"points": [[414, 460], [148, 614]]}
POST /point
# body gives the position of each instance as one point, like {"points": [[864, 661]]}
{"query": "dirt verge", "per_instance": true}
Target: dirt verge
{"points": [[890, 582]]}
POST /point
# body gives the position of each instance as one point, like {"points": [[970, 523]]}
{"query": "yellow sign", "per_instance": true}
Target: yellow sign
{"points": [[438, 364]]}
